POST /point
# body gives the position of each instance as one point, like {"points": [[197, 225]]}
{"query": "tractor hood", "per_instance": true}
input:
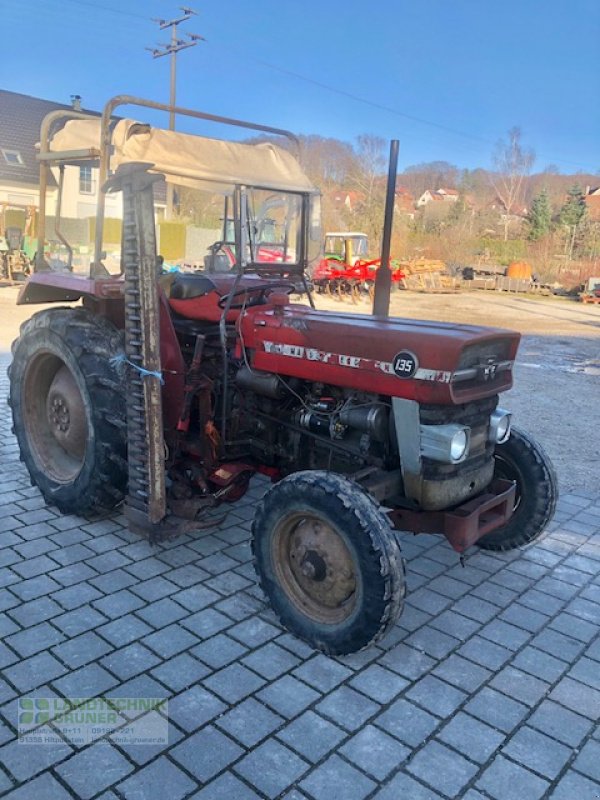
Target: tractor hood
{"points": [[431, 362]]}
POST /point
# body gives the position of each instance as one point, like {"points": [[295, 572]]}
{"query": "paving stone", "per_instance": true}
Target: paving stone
{"points": [[196, 597], [180, 672], [288, 696], [114, 581], [471, 737], [249, 722], [206, 623], [25, 761], [586, 671], [379, 684], [162, 613], [524, 617], [226, 787], [144, 753], [88, 681], [538, 752], [574, 627], [170, 640], [271, 661], [141, 687], [347, 708], [195, 707], [124, 630], [322, 673], [107, 561], [162, 773], [45, 787], [475, 608], [7, 626], [505, 635], [436, 696], [577, 697], [572, 785], [254, 631], [206, 753], [35, 587], [433, 642], [485, 653], [504, 780], [187, 575], [94, 769], [403, 787], [81, 650], [441, 768], [520, 686], [78, 621], [311, 736], [271, 768], [407, 722], [588, 761], [71, 554], [558, 645], [407, 661], [462, 673], [234, 682], [32, 640], [218, 651], [496, 709], [35, 611], [119, 603], [560, 723], [454, 624], [34, 671], [336, 778], [130, 661], [374, 752], [540, 664], [78, 595]]}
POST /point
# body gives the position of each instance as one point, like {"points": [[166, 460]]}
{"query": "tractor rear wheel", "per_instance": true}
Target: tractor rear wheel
{"points": [[68, 406], [523, 460], [328, 561]]}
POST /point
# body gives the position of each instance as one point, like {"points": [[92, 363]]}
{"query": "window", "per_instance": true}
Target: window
{"points": [[86, 182], [13, 157]]}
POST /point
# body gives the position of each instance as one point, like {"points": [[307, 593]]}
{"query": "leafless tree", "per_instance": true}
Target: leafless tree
{"points": [[512, 164]]}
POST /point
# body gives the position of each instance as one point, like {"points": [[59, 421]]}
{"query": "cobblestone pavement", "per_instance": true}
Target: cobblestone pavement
{"points": [[489, 686]]}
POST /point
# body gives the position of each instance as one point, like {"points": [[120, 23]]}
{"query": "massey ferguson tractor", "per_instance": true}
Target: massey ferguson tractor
{"points": [[168, 393]]}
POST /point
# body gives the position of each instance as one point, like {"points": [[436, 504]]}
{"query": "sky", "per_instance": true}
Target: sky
{"points": [[448, 78]]}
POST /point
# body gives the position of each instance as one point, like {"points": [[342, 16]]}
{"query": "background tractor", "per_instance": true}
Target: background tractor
{"points": [[168, 393], [346, 268]]}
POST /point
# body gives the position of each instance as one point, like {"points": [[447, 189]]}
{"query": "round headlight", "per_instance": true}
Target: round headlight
{"points": [[500, 426], [458, 445]]}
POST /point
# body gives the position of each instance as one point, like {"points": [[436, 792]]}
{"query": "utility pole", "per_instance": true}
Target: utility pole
{"points": [[174, 46]]}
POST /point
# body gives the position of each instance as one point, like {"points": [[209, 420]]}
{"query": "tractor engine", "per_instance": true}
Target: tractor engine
{"points": [[293, 424], [290, 424]]}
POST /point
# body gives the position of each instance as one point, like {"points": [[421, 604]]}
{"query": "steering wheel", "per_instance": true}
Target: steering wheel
{"points": [[260, 290]]}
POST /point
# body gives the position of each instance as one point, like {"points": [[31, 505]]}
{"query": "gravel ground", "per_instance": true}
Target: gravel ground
{"points": [[557, 380]]}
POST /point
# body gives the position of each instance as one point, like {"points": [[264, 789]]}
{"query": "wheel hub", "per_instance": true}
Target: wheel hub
{"points": [[66, 413], [316, 568]]}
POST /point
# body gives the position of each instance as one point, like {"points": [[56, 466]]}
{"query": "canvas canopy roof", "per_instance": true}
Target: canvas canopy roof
{"points": [[188, 159]]}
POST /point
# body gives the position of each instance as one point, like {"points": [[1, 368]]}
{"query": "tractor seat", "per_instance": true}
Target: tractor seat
{"points": [[186, 287]]}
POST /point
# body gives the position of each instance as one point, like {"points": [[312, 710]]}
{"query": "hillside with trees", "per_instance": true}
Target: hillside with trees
{"points": [[465, 217]]}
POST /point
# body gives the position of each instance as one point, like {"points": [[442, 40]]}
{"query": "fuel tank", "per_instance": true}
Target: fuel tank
{"points": [[431, 362]]}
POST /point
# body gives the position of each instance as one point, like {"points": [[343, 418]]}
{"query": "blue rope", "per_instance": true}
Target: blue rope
{"points": [[116, 361]]}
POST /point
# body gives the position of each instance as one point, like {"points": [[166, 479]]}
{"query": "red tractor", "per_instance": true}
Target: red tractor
{"points": [[169, 393]]}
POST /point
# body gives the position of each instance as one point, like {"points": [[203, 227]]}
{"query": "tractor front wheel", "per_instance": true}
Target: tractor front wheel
{"points": [[523, 460], [328, 561], [68, 406]]}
